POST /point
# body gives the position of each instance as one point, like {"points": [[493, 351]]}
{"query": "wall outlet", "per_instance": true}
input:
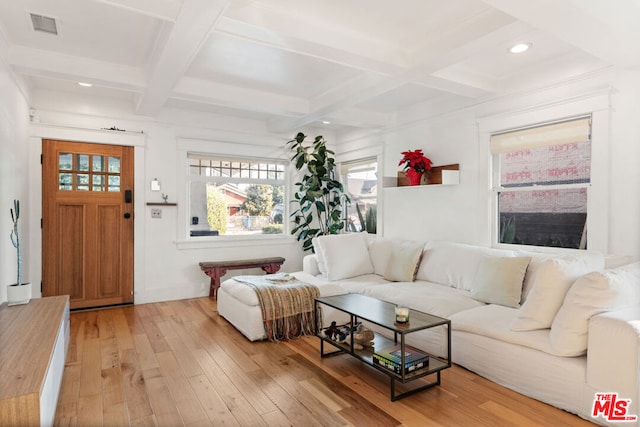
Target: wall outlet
{"points": [[156, 213]]}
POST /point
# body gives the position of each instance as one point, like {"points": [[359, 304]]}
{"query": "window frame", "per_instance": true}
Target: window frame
{"points": [[598, 219], [264, 154], [343, 168], [371, 149]]}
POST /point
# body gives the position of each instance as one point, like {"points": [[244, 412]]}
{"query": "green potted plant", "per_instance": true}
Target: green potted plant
{"points": [[17, 293], [320, 197]]}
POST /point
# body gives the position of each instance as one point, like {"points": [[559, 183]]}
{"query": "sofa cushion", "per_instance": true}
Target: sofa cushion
{"points": [[455, 264], [594, 293], [345, 255], [499, 280], [551, 277], [403, 262], [493, 321], [431, 298], [354, 285]]}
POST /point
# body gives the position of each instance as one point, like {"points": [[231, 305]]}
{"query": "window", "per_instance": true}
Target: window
{"points": [[542, 178], [361, 184], [235, 196], [88, 172]]}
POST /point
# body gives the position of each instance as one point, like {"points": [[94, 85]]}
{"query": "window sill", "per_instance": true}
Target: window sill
{"points": [[234, 242]]}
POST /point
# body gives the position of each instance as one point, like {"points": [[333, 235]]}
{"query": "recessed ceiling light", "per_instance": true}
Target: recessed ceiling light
{"points": [[84, 84], [326, 122], [520, 47]]}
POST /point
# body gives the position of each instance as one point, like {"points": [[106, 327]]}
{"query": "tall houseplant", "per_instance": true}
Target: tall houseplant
{"points": [[320, 197], [19, 292]]}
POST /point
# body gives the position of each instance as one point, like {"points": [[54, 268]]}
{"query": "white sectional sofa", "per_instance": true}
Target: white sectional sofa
{"points": [[556, 327]]}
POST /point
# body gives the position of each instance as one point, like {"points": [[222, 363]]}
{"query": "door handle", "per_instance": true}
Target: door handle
{"points": [[127, 215]]}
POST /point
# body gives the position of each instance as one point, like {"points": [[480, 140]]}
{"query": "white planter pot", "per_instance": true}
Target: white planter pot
{"points": [[18, 294]]}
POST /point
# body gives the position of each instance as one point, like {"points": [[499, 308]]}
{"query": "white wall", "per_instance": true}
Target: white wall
{"points": [[464, 212], [14, 178]]}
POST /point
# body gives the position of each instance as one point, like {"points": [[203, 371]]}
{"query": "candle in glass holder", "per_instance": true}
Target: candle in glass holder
{"points": [[402, 314]]}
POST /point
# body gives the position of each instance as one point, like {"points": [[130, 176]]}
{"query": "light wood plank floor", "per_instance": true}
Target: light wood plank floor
{"points": [[179, 363]]}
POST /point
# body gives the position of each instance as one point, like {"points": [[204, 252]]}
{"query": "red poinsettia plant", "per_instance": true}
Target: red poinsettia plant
{"points": [[415, 160]]}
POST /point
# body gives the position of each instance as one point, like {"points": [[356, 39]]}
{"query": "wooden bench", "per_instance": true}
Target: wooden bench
{"points": [[216, 269]]}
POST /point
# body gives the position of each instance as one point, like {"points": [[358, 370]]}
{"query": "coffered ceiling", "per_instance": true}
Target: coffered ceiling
{"points": [[293, 63]]}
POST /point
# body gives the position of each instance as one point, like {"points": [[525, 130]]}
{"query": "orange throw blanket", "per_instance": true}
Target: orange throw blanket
{"points": [[287, 305]]}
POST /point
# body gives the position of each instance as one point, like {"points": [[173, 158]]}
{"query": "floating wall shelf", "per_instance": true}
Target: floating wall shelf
{"points": [[161, 204], [438, 175]]}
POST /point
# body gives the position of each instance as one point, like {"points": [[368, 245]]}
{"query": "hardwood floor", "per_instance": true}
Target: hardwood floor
{"points": [[179, 363]]}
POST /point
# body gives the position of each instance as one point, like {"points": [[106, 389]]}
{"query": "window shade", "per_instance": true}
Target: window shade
{"points": [[358, 166], [542, 136]]}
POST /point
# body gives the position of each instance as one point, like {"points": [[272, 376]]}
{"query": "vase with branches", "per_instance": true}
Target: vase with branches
{"points": [[320, 197], [15, 237], [18, 293]]}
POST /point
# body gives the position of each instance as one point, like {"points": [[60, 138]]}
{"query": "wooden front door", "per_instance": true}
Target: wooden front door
{"points": [[87, 227]]}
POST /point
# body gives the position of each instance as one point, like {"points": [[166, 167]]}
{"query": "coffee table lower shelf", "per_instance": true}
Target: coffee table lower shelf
{"points": [[436, 364]]}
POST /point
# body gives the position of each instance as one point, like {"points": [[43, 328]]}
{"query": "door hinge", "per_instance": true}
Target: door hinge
{"points": [[40, 287], [41, 222], [41, 157]]}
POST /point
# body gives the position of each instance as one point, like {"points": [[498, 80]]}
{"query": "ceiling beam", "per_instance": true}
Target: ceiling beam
{"points": [[166, 10], [208, 92], [191, 29], [441, 51], [45, 63], [302, 38]]}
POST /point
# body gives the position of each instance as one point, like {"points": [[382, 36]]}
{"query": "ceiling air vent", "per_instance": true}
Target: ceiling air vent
{"points": [[44, 23]]}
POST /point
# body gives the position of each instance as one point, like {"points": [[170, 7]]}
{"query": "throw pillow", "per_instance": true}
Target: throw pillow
{"points": [[403, 262], [321, 264], [380, 251], [499, 280], [345, 255], [594, 293], [455, 264], [552, 279]]}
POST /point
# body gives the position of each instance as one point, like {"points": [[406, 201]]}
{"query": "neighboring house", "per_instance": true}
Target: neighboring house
{"points": [[234, 198]]}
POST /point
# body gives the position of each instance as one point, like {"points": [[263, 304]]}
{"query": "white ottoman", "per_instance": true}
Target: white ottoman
{"points": [[238, 303]]}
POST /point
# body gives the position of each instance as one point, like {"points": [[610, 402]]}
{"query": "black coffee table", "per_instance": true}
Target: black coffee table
{"points": [[362, 307]]}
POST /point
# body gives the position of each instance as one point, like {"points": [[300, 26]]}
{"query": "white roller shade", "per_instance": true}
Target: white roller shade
{"points": [[358, 166], [542, 136]]}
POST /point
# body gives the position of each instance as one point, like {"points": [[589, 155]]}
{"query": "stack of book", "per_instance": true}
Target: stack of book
{"points": [[391, 358]]}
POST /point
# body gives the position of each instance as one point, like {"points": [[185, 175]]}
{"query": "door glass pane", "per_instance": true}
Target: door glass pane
{"points": [[98, 183], [65, 182], [82, 182], [98, 163], [114, 165], [65, 162], [114, 182], [82, 162]]}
